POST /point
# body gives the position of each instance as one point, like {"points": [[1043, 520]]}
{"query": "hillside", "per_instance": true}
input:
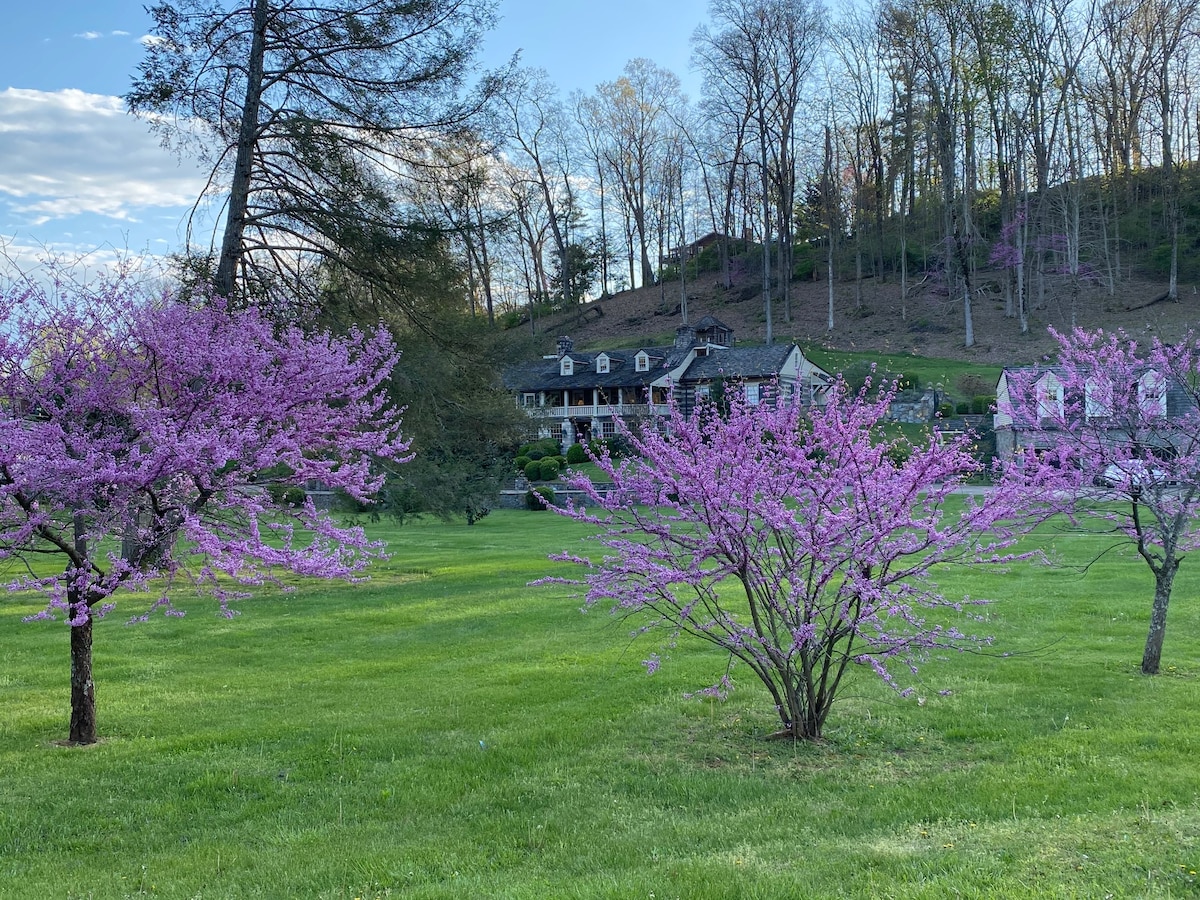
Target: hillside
{"points": [[931, 326]]}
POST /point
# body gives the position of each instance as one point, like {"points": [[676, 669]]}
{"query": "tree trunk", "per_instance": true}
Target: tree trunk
{"points": [[239, 192], [1158, 619], [83, 689]]}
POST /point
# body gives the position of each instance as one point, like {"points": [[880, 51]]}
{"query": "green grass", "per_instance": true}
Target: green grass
{"points": [[944, 374], [447, 731]]}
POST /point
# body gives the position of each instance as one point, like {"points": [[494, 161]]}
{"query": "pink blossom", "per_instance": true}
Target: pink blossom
{"points": [[788, 537], [137, 419]]}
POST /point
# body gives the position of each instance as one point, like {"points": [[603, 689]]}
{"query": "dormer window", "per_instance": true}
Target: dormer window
{"points": [[642, 362], [1152, 394], [1097, 398], [1050, 398], [602, 364], [566, 366]]}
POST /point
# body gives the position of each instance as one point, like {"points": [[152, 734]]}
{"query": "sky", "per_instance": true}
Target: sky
{"points": [[81, 179]]}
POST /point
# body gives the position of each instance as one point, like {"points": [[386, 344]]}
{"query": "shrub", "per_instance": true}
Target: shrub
{"points": [[521, 462], [963, 408], [576, 454], [549, 469], [539, 498], [536, 453], [982, 404], [287, 494], [898, 454], [945, 409], [533, 469], [972, 384]]}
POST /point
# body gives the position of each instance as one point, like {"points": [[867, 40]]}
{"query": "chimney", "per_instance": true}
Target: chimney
{"points": [[565, 346], [685, 337]]}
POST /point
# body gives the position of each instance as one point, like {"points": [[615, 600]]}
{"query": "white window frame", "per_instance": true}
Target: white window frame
{"points": [[1097, 398], [602, 364], [566, 366], [642, 362], [1152, 394], [1050, 398]]}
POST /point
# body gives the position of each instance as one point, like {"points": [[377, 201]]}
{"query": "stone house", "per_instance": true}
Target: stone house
{"points": [[577, 396]]}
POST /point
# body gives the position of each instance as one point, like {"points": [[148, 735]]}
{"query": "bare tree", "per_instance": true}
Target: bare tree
{"points": [[636, 113], [765, 50]]}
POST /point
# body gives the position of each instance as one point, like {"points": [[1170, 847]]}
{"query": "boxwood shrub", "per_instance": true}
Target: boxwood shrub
{"points": [[539, 498]]}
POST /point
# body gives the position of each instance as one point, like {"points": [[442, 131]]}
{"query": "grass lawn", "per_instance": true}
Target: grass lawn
{"points": [[944, 374], [446, 731]]}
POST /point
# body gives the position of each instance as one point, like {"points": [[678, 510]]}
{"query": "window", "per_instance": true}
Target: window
{"points": [[753, 394], [642, 362], [1097, 398], [1050, 398], [602, 364], [1152, 394], [529, 400], [566, 366]]}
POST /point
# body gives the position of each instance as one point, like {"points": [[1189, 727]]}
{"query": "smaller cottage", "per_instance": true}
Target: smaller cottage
{"points": [[1153, 392]]}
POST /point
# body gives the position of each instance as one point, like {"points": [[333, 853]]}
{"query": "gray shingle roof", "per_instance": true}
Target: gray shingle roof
{"points": [[739, 362]]}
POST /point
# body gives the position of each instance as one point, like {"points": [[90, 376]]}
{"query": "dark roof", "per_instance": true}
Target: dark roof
{"points": [[739, 362], [543, 375], [710, 322]]}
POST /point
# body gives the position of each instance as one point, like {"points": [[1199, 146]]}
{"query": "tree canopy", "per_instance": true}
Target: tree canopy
{"points": [[139, 434], [305, 112], [797, 540]]}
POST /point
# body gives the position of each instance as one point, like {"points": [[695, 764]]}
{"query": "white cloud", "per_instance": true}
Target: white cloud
{"points": [[97, 35], [68, 153]]}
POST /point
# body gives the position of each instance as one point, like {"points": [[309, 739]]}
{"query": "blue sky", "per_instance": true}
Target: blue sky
{"points": [[78, 176]]}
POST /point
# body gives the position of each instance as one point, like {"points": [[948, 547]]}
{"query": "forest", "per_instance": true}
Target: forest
{"points": [[375, 175], [905, 139]]}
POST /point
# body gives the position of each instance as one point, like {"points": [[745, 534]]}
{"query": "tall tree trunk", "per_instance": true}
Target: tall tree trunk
{"points": [[1164, 576], [239, 192], [83, 689]]}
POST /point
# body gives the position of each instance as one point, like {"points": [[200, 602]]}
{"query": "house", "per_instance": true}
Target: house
{"points": [[576, 396], [1153, 393], [676, 255]]}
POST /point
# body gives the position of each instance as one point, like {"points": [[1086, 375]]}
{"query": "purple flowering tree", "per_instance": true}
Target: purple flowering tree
{"points": [[140, 439], [799, 541], [1110, 435]]}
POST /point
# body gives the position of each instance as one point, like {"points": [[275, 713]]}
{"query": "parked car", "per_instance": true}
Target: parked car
{"points": [[1128, 473]]}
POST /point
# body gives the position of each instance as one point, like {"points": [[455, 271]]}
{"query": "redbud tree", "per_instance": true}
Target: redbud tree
{"points": [[1110, 435], [800, 541], [140, 438]]}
